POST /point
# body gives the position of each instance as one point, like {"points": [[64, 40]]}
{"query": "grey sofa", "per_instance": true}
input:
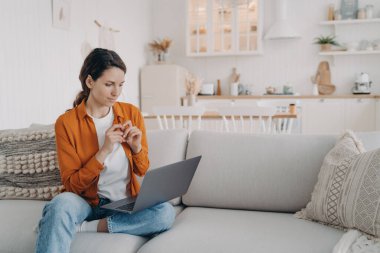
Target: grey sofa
{"points": [[242, 198]]}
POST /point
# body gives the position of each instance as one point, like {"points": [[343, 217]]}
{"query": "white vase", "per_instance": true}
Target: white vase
{"points": [[191, 100], [234, 89], [161, 58], [315, 91]]}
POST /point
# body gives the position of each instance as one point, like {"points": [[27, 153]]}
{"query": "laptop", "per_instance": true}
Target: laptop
{"points": [[159, 185]]}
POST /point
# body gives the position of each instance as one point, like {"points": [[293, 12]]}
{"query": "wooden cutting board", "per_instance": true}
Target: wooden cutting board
{"points": [[323, 79]]}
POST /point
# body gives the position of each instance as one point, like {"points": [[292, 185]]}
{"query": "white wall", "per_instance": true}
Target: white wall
{"points": [[39, 64], [283, 61]]}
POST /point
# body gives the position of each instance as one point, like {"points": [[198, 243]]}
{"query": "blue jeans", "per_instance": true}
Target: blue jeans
{"points": [[61, 215]]}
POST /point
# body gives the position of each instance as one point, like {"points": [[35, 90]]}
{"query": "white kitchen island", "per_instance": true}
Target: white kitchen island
{"points": [[316, 114]]}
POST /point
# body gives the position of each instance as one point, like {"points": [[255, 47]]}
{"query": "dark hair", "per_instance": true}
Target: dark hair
{"points": [[95, 64]]}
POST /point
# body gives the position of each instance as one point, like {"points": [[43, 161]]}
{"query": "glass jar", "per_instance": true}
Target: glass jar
{"points": [[369, 11], [337, 15], [292, 108], [361, 13]]}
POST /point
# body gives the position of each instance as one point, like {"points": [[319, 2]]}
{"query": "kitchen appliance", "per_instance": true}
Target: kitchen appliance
{"points": [[362, 84], [207, 89]]}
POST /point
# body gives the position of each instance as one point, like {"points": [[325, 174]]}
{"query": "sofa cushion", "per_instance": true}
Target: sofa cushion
{"points": [[222, 230], [103, 242], [259, 172], [255, 172], [347, 193], [18, 219], [166, 147], [28, 164]]}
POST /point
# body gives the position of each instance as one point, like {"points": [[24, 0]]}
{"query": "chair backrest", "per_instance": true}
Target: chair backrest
{"points": [[179, 116], [262, 115], [281, 125]]}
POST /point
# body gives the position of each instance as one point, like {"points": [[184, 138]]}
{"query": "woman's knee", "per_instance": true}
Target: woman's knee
{"points": [[66, 203], [165, 215]]}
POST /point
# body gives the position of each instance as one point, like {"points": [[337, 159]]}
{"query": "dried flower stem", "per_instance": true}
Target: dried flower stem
{"points": [[192, 84]]}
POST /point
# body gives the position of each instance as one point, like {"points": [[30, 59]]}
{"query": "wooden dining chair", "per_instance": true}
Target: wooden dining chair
{"points": [[171, 117], [281, 125], [259, 118]]}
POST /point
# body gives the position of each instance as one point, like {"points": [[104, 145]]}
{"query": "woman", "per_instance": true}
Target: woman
{"points": [[101, 148]]}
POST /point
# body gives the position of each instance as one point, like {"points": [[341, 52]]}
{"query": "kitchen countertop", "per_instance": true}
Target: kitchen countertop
{"points": [[216, 115], [287, 96]]}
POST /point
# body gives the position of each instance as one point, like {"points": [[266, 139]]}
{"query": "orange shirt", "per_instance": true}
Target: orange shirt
{"points": [[77, 144]]}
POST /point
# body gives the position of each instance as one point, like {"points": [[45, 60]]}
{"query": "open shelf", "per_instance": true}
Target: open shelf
{"points": [[358, 52], [351, 21]]}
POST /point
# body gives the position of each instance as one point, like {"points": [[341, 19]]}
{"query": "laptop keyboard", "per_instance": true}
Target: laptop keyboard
{"points": [[127, 207]]}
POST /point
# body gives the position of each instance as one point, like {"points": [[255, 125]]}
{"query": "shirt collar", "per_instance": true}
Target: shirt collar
{"points": [[116, 110]]}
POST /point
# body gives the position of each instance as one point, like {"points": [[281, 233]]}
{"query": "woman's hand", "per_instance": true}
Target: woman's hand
{"points": [[132, 135], [114, 134]]}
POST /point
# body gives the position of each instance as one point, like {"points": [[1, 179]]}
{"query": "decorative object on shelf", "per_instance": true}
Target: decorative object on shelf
{"points": [[207, 89], [349, 9], [351, 46], [369, 11], [331, 12], [270, 90], [315, 91], [219, 89], [193, 86], [234, 83], [326, 42], [362, 84], [322, 80], [292, 109], [362, 13], [337, 15], [241, 89], [287, 89], [326, 89], [376, 44], [160, 49], [249, 90]]}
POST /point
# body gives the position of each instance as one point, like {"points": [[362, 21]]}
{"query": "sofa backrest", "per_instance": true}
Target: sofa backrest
{"points": [[166, 146], [258, 172]]}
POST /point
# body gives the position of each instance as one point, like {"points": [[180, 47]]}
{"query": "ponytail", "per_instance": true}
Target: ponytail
{"points": [[80, 97]]}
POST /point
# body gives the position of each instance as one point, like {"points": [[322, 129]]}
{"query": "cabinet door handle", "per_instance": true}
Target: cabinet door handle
{"points": [[360, 100], [322, 100]]}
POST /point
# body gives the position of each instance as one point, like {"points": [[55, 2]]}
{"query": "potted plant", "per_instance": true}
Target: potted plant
{"points": [[326, 42], [160, 48]]}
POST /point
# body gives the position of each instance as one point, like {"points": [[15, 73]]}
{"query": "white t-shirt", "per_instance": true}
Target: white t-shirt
{"points": [[115, 175]]}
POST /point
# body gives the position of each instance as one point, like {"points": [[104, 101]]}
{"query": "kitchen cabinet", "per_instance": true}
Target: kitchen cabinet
{"points": [[354, 31], [336, 115], [323, 116], [224, 27], [360, 114]]}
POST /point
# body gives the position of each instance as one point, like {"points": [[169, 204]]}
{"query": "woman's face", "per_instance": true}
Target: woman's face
{"points": [[107, 88]]}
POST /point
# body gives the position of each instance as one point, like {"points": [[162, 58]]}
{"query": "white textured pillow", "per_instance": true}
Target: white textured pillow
{"points": [[347, 193]]}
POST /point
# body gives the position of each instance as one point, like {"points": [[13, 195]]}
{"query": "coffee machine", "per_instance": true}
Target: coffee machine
{"points": [[362, 84]]}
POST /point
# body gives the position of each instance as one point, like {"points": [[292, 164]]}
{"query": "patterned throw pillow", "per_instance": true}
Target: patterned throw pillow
{"points": [[347, 193], [28, 164]]}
